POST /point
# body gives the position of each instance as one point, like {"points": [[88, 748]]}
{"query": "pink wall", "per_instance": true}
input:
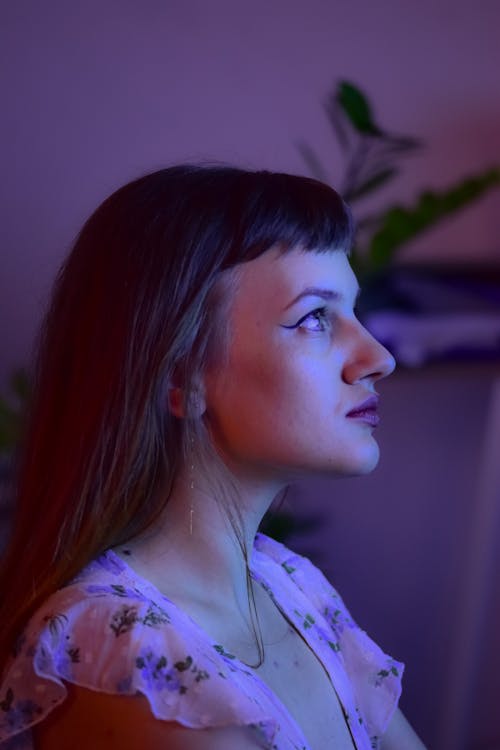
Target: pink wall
{"points": [[98, 92]]}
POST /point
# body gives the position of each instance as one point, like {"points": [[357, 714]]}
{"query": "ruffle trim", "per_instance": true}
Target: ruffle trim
{"points": [[376, 678], [125, 645]]}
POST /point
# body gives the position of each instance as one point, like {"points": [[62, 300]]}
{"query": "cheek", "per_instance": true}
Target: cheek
{"points": [[277, 392], [269, 381], [252, 384]]}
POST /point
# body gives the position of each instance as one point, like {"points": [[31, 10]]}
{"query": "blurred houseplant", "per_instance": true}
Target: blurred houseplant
{"points": [[372, 160], [12, 413], [13, 409]]}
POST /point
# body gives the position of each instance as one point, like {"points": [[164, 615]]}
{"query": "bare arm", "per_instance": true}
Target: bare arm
{"points": [[96, 721], [400, 735]]}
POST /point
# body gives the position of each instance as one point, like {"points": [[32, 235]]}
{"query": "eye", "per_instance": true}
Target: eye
{"points": [[315, 321]]}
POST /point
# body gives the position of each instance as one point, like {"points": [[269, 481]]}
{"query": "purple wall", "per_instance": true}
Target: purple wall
{"points": [[98, 92], [415, 551], [95, 93]]}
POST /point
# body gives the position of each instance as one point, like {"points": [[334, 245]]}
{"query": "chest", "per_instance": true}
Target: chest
{"points": [[299, 680]]}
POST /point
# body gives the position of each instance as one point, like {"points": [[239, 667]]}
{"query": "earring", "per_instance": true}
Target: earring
{"points": [[191, 509]]}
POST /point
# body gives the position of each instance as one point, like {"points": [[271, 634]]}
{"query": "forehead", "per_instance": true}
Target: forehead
{"points": [[272, 281]]}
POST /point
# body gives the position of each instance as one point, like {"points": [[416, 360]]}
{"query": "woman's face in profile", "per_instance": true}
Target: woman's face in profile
{"points": [[298, 362]]}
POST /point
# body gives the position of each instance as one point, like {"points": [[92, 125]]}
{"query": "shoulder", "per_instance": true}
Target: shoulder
{"points": [[115, 636], [271, 551], [301, 571], [111, 722], [103, 623]]}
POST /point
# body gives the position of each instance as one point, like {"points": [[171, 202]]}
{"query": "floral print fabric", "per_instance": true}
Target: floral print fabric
{"points": [[112, 631]]}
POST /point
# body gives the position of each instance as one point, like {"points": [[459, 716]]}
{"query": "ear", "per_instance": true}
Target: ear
{"points": [[195, 405], [175, 399]]}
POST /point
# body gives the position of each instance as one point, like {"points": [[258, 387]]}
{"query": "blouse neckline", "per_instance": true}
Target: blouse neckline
{"points": [[260, 561]]}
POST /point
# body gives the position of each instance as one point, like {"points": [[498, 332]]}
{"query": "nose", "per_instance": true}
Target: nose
{"points": [[369, 359]]}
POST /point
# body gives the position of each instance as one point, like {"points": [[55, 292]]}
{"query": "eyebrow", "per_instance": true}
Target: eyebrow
{"points": [[315, 291]]}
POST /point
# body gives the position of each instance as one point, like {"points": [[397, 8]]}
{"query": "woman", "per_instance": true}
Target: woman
{"points": [[201, 352]]}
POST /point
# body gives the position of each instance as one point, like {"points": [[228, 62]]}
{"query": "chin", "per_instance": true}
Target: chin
{"points": [[357, 462], [366, 461], [354, 464]]}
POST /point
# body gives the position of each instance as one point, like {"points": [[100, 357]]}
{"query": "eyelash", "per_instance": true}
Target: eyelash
{"points": [[320, 313]]}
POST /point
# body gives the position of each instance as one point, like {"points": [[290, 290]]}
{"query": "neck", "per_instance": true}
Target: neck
{"points": [[204, 540]]}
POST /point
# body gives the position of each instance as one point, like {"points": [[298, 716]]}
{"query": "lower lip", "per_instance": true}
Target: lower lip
{"points": [[367, 416]]}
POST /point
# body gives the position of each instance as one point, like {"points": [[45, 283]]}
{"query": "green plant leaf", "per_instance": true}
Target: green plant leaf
{"points": [[341, 125], [9, 427], [398, 144], [13, 409], [281, 524], [399, 224], [20, 385], [312, 161], [372, 183], [357, 108]]}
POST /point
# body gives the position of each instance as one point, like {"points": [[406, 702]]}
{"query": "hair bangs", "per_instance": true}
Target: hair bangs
{"points": [[290, 211]]}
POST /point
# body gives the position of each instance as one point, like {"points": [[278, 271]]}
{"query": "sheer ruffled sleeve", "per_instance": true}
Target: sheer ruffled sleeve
{"points": [[114, 638]]}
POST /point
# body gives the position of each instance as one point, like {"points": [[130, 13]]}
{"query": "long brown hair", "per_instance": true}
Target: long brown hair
{"points": [[134, 304]]}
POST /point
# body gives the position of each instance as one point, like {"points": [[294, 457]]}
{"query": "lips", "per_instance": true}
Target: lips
{"points": [[366, 412]]}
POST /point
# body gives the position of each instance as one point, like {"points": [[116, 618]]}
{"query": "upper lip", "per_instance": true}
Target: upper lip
{"points": [[369, 403]]}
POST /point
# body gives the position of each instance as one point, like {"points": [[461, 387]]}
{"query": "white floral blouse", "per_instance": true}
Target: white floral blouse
{"points": [[111, 631]]}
